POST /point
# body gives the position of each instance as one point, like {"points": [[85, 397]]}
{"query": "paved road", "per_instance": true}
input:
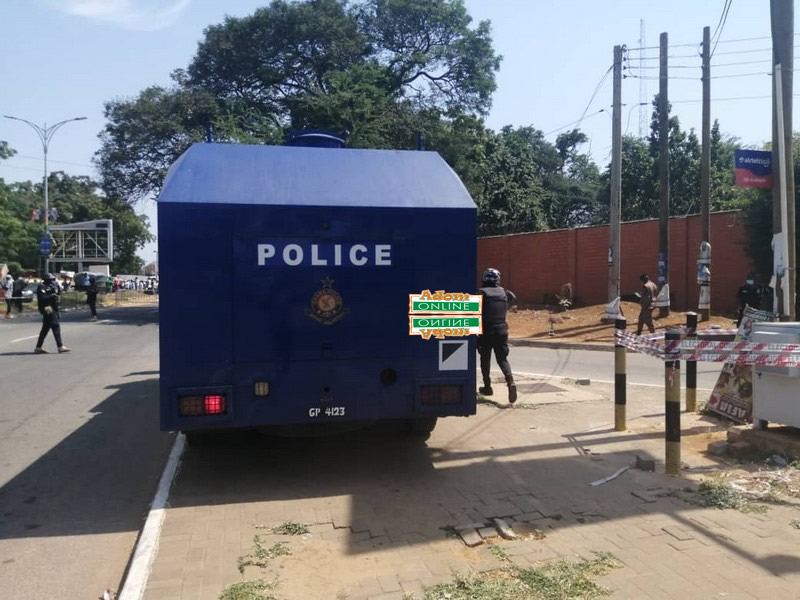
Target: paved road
{"points": [[80, 452], [599, 366]]}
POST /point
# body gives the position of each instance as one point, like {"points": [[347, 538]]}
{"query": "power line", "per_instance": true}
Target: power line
{"points": [[596, 89], [63, 162], [671, 67], [583, 117], [630, 112], [658, 47], [726, 99], [6, 166], [744, 62], [741, 75], [656, 78], [723, 19], [670, 56]]}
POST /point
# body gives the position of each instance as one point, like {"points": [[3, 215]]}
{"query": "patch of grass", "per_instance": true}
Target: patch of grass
{"points": [[487, 586], [290, 528], [499, 552], [714, 493], [564, 579], [557, 580], [261, 555], [257, 589]]}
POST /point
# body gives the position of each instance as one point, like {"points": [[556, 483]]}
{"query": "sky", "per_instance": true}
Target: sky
{"points": [[64, 58]]}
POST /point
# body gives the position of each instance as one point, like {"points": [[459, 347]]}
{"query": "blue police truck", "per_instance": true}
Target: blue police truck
{"points": [[285, 275]]}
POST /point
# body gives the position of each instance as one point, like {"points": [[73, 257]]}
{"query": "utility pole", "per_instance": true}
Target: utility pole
{"points": [[45, 136], [616, 180], [663, 180], [783, 197], [704, 304], [642, 84]]}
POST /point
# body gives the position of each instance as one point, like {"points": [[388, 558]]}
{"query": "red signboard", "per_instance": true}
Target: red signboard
{"points": [[745, 178]]}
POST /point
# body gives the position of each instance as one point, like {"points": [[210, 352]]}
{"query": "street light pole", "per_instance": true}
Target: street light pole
{"points": [[45, 135]]}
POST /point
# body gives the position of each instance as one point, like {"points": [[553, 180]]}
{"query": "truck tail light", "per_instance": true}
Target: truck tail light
{"points": [[214, 404], [440, 394], [191, 406], [198, 406]]}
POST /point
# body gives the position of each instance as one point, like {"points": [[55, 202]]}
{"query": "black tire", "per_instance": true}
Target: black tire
{"points": [[421, 427]]}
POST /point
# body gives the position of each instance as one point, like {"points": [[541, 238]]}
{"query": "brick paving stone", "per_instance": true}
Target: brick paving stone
{"points": [[682, 545], [389, 583]]}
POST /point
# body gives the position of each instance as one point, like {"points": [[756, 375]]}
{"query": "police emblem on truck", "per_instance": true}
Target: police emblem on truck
{"points": [[326, 304]]}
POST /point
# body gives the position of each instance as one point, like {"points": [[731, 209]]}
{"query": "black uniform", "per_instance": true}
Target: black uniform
{"points": [[749, 295], [47, 296], [496, 301], [91, 296]]}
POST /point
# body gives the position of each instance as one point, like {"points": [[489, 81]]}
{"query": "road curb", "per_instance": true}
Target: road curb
{"points": [[560, 345], [144, 554]]}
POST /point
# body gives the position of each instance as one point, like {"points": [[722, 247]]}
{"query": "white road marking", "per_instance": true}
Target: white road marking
{"points": [[147, 545], [30, 337], [653, 385]]}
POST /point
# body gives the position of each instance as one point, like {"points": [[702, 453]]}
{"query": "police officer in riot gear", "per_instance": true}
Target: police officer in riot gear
{"points": [[48, 296], [496, 301], [749, 294]]}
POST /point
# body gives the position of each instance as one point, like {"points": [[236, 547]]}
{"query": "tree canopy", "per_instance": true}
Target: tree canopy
{"points": [[76, 198], [380, 69], [397, 74]]}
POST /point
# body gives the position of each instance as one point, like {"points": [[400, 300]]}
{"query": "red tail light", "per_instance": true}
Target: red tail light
{"points": [[199, 406], [431, 395], [214, 404]]}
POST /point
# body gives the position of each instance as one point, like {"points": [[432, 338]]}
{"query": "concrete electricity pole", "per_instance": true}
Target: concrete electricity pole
{"points": [[704, 304], [46, 135], [663, 177], [783, 197], [616, 181]]}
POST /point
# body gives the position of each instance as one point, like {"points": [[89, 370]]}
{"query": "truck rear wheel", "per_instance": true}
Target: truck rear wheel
{"points": [[421, 427]]}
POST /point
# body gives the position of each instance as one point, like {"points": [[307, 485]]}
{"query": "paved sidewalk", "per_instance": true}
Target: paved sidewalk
{"points": [[377, 504]]}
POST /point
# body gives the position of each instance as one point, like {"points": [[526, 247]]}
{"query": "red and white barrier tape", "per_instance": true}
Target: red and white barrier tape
{"points": [[740, 353], [776, 360], [742, 346]]}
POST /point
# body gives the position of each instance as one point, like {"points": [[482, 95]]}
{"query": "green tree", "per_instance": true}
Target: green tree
{"points": [[5, 151], [510, 196], [384, 70], [76, 198]]}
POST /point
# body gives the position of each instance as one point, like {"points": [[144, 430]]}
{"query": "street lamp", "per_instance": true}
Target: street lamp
{"points": [[45, 135]]}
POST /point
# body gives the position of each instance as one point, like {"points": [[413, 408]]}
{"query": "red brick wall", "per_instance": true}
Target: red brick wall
{"points": [[534, 264]]}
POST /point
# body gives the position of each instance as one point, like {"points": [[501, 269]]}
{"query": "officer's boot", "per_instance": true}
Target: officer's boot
{"points": [[486, 390], [512, 389]]}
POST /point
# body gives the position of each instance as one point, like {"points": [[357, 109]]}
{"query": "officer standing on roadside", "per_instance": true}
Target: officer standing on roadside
{"points": [[47, 296], [91, 296], [646, 299], [496, 301]]}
